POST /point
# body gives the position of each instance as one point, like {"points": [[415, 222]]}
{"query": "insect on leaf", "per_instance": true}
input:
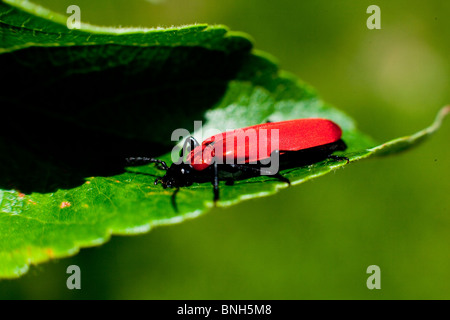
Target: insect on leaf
{"points": [[78, 102]]}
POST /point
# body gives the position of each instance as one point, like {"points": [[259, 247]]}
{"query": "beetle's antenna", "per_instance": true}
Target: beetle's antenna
{"points": [[144, 160], [193, 144], [173, 199]]}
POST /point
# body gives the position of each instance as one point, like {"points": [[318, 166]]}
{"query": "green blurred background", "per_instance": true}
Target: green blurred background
{"points": [[316, 240]]}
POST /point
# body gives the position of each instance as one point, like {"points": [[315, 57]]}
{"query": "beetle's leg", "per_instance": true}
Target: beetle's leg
{"points": [[259, 171], [144, 160], [216, 183], [338, 158], [276, 153], [277, 175], [173, 199], [282, 178]]}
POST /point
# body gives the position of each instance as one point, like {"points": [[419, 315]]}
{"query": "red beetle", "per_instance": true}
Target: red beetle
{"points": [[251, 151]]}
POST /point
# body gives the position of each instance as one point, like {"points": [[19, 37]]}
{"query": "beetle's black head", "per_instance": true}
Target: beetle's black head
{"points": [[178, 175]]}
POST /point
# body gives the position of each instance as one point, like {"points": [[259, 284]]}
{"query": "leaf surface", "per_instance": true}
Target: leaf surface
{"points": [[76, 103]]}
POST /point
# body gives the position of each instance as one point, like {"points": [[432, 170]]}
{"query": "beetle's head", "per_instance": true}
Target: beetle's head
{"points": [[178, 175]]}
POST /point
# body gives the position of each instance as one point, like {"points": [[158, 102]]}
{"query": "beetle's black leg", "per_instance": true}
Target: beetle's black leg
{"points": [[216, 183], [276, 153], [338, 158], [260, 171], [173, 199], [144, 160], [277, 175], [282, 178]]}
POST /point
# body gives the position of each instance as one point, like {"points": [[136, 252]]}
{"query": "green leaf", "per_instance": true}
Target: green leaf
{"points": [[76, 103]]}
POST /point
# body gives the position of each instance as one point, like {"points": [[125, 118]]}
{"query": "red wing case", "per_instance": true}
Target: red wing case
{"points": [[256, 143]]}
